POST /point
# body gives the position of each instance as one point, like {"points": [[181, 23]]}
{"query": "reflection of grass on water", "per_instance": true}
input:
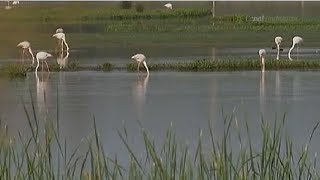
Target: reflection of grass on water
{"points": [[233, 64], [44, 155]]}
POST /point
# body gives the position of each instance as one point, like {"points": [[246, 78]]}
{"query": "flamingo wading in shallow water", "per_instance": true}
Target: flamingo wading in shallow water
{"points": [[295, 41], [262, 54], [278, 41], [140, 58], [42, 56], [61, 36], [25, 45]]}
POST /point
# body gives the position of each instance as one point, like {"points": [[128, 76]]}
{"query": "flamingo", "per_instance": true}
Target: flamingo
{"points": [[61, 36], [26, 45], [168, 6], [15, 2], [42, 56], [262, 54], [278, 41], [141, 58], [295, 41]]}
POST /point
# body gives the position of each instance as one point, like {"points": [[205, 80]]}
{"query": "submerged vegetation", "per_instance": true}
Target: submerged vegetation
{"points": [[231, 64], [43, 154]]}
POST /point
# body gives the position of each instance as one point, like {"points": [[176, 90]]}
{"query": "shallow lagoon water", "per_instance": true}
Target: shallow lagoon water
{"points": [[185, 100]]}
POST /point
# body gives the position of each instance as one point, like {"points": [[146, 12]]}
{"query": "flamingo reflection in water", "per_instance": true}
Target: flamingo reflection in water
{"points": [[42, 87], [139, 94]]}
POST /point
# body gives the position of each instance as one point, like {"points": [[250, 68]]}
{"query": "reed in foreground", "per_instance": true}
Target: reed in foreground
{"points": [[44, 154]]}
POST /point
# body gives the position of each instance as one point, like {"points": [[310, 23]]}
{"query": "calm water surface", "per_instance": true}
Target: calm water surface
{"points": [[187, 100]]}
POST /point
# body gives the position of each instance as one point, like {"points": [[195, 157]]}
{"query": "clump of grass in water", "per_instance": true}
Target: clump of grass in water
{"points": [[15, 70], [105, 67], [231, 65], [71, 66]]}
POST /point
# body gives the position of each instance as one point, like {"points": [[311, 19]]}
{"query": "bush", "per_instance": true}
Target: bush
{"points": [[106, 67], [139, 8], [14, 70], [126, 4]]}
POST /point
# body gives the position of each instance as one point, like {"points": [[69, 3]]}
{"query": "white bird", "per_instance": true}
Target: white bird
{"points": [[262, 54], [295, 41], [168, 6], [278, 41], [42, 56], [59, 30], [25, 45], [15, 2], [140, 58], [62, 37]]}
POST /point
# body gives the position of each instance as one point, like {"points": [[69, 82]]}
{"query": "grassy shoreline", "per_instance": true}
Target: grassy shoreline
{"points": [[20, 70]]}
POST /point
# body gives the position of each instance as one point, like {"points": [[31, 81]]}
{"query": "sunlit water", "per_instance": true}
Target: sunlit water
{"points": [[185, 100]]}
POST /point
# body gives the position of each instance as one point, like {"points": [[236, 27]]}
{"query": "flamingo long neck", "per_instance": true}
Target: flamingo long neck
{"points": [[65, 42], [30, 51], [278, 53], [289, 54], [37, 65], [145, 65]]}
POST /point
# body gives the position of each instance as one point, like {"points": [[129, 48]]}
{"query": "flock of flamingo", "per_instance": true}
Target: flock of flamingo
{"points": [[140, 58], [42, 56], [296, 41]]}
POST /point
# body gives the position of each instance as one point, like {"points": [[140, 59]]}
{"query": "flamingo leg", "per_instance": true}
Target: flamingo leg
{"points": [[65, 43], [47, 66], [138, 65], [61, 45], [23, 54], [145, 65], [42, 65]]}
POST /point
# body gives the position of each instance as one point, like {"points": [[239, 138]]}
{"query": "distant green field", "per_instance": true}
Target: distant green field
{"points": [[91, 25]]}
